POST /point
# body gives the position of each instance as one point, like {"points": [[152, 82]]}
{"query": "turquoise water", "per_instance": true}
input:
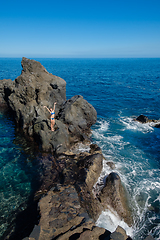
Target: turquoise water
{"points": [[120, 90], [18, 175]]}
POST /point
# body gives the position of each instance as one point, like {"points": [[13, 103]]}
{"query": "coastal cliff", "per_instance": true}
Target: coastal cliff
{"points": [[36, 88], [68, 206]]}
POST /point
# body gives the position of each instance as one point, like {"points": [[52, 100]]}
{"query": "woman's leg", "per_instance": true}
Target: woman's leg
{"points": [[52, 124]]}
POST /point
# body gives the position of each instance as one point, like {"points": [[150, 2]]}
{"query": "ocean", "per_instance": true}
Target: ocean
{"points": [[120, 90]]}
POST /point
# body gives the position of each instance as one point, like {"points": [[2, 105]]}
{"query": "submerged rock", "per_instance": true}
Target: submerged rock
{"points": [[149, 238]]}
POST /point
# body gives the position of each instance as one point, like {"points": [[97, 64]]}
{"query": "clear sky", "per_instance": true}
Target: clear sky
{"points": [[80, 28]]}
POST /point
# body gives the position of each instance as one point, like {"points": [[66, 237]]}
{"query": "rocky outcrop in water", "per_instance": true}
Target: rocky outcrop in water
{"points": [[67, 203], [5, 84], [35, 88], [144, 119], [63, 218], [79, 169], [113, 196]]}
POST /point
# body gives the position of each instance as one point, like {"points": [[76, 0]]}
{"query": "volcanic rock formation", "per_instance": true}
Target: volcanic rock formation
{"points": [[75, 174], [35, 88]]}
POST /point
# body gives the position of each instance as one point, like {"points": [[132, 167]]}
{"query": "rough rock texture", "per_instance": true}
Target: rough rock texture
{"points": [[119, 234], [113, 195], [81, 170], [63, 218], [5, 85], [76, 113], [111, 165], [36, 88], [144, 119], [89, 171]]}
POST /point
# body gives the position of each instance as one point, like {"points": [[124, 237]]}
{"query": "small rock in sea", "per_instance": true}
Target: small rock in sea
{"points": [[142, 119]]}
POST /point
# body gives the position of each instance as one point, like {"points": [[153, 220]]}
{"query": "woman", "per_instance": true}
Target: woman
{"points": [[52, 112]]}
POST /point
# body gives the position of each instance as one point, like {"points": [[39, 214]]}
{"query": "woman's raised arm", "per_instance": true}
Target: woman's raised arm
{"points": [[47, 109], [54, 106]]}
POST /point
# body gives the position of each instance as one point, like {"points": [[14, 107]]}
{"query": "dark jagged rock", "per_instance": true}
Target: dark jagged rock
{"points": [[81, 170], [95, 148], [36, 88], [144, 119], [157, 125], [63, 218], [76, 112], [89, 171], [113, 195], [5, 86], [119, 234]]}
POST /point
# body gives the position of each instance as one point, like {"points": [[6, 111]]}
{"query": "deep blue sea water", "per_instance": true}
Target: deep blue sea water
{"points": [[120, 90]]}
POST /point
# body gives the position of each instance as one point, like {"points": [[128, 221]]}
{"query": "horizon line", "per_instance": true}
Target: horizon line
{"points": [[83, 57]]}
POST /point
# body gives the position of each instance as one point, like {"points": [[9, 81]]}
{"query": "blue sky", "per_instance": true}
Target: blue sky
{"points": [[73, 28]]}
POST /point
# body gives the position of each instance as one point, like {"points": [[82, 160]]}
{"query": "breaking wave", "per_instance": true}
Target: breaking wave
{"points": [[138, 171]]}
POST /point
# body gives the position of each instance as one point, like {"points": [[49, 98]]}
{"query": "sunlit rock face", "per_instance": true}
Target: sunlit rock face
{"points": [[35, 88]]}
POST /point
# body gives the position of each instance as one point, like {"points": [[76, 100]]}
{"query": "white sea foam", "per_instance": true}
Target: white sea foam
{"points": [[133, 166], [108, 142], [110, 220], [156, 231], [99, 133], [131, 124], [103, 125], [157, 199]]}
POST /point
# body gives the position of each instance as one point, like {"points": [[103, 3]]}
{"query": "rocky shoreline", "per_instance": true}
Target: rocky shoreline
{"points": [[68, 206]]}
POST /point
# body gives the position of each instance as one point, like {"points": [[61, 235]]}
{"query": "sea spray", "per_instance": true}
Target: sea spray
{"points": [[109, 220], [137, 172]]}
